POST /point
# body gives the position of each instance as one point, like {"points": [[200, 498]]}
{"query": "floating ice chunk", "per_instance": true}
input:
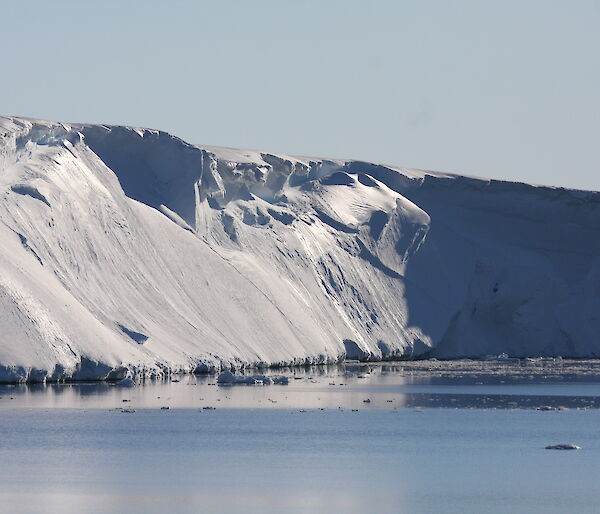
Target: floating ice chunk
{"points": [[563, 447]]}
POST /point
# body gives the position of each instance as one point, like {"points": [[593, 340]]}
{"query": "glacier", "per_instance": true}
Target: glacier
{"points": [[130, 252]]}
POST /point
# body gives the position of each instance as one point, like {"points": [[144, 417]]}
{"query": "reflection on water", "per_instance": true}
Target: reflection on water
{"points": [[505, 384]]}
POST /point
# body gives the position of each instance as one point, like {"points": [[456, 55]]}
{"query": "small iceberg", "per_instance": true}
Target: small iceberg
{"points": [[563, 447]]}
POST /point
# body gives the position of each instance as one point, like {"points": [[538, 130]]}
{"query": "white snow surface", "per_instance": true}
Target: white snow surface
{"points": [[129, 252]]}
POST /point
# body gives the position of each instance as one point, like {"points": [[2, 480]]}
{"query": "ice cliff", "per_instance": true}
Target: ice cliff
{"points": [[129, 250]]}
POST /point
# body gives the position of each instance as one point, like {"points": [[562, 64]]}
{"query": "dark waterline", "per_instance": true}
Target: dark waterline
{"points": [[456, 384]]}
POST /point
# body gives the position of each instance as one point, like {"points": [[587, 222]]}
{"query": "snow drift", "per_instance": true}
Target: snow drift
{"points": [[129, 251]]}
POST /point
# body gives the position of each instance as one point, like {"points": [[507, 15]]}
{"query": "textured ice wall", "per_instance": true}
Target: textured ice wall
{"points": [[131, 251]]}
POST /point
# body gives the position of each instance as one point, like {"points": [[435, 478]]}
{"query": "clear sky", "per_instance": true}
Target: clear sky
{"points": [[505, 89]]}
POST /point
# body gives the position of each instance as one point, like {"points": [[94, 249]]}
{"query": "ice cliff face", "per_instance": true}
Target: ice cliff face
{"points": [[129, 250]]}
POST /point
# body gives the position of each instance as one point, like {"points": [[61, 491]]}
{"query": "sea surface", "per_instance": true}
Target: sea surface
{"points": [[428, 437]]}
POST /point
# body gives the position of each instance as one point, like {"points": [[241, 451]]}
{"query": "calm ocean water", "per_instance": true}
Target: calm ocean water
{"points": [[71, 449]]}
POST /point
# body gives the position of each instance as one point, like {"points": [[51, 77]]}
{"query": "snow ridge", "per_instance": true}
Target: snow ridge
{"points": [[129, 251]]}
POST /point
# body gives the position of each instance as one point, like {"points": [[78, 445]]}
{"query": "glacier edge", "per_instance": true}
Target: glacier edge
{"points": [[130, 251]]}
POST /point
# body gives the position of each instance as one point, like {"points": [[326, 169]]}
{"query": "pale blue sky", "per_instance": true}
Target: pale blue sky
{"points": [[505, 89]]}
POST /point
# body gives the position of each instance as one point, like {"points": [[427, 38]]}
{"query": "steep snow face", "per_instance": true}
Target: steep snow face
{"points": [[131, 251]]}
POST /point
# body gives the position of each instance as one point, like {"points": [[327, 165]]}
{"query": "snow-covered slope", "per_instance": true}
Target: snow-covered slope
{"points": [[130, 250]]}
